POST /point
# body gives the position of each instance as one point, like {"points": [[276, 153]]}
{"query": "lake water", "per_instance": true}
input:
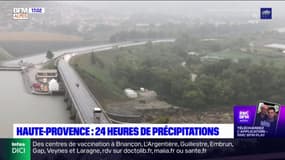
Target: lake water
{"points": [[18, 106]]}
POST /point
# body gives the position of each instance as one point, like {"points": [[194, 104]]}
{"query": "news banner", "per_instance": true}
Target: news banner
{"points": [[146, 141], [121, 131]]}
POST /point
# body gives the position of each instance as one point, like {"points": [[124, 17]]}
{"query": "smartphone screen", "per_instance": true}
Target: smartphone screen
{"points": [[267, 116]]}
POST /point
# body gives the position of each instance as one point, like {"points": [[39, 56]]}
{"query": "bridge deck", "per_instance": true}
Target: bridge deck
{"points": [[81, 96], [10, 68]]}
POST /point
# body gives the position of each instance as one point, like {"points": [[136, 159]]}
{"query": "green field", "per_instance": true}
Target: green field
{"points": [[269, 56]]}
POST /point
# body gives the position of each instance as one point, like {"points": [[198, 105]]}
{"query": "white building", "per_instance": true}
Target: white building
{"points": [[211, 58], [193, 53], [131, 93]]}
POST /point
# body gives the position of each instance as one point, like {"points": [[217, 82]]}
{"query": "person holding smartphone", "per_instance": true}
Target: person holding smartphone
{"points": [[262, 116], [271, 121]]}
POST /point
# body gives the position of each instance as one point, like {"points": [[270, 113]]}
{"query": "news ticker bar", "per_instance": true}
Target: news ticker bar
{"points": [[139, 149], [73, 149], [125, 131]]}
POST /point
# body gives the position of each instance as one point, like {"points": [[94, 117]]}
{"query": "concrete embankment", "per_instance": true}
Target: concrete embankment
{"points": [[26, 80]]}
